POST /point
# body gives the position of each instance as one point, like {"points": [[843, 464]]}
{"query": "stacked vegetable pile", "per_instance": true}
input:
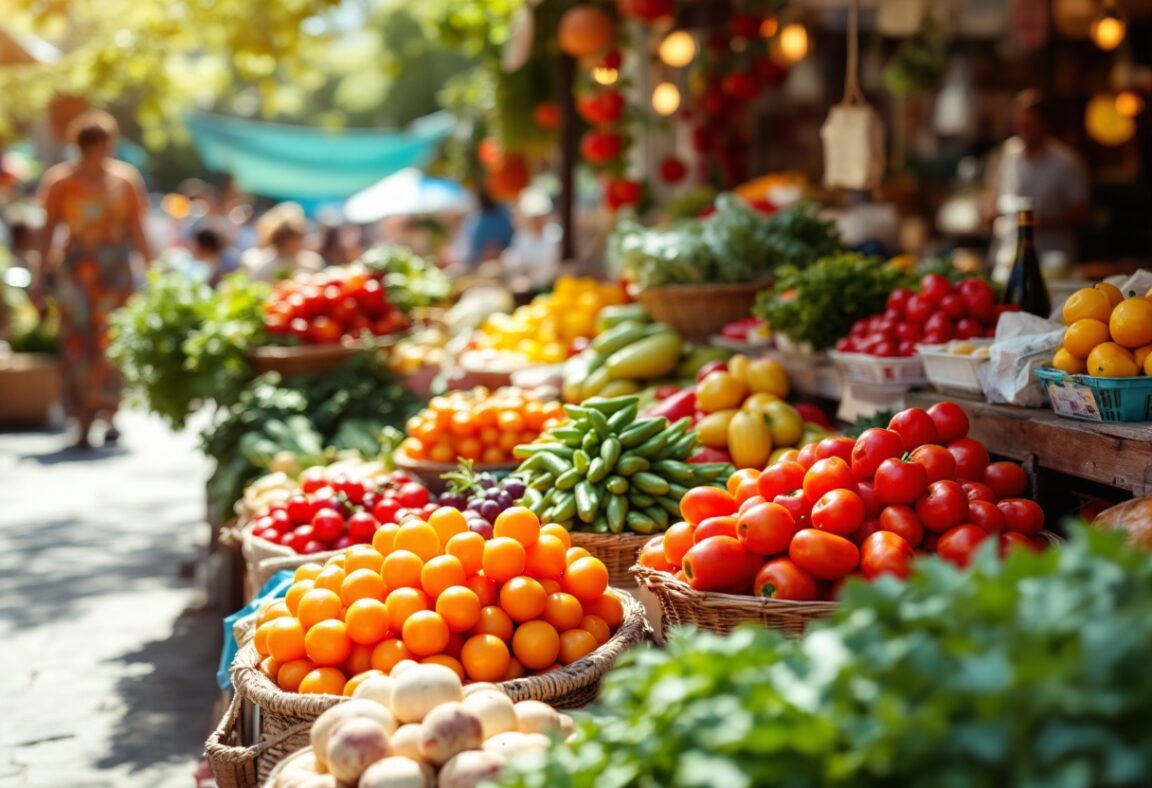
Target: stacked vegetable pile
{"points": [[419, 729], [605, 470], [844, 506], [335, 304], [1107, 335], [436, 592]]}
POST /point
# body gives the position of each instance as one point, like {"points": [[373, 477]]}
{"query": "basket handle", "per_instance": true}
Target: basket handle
{"points": [[230, 723], [852, 93]]}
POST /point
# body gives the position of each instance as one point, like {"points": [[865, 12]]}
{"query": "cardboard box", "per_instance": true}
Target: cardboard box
{"points": [[29, 389]]}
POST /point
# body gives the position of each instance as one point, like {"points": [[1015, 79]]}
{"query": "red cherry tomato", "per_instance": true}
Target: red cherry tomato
{"points": [[798, 506], [943, 506], [1022, 516], [918, 309], [327, 525], [937, 461], [839, 512], [864, 531], [709, 565], [951, 421], [886, 553], [933, 288], [898, 299], [766, 529], [971, 459], [958, 544], [915, 427], [978, 491], [872, 503], [361, 527], [827, 475], [1011, 540], [1007, 479], [780, 578], [781, 478], [823, 555], [900, 482], [807, 456], [700, 503], [902, 520], [986, 515], [872, 448], [837, 446], [714, 526], [652, 555], [748, 503], [678, 540]]}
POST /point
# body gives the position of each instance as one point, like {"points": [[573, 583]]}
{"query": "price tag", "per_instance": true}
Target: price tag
{"points": [[1069, 399]]}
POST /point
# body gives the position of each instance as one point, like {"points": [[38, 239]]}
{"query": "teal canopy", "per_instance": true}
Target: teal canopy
{"points": [[311, 165]]}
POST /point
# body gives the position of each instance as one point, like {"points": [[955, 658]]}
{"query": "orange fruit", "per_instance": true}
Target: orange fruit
{"points": [[260, 640], [510, 421], [523, 599], [459, 607], [1148, 365], [575, 554], [468, 547], [536, 644], [455, 644], [1140, 354], [608, 607], [451, 663], [1087, 303], [291, 673], [493, 455], [359, 679], [318, 605], [741, 476], [332, 577], [551, 585], [447, 523], [559, 531], [509, 441], [384, 540], [362, 584], [324, 681], [586, 579], [515, 670], [1085, 334], [327, 643], [519, 523], [545, 558], [285, 639], [485, 658], [483, 588], [280, 609], [1110, 360], [574, 644], [597, 627], [401, 569], [1131, 322], [420, 538], [425, 633], [494, 621], [307, 571], [469, 449], [442, 452], [1111, 291], [335, 560], [563, 611], [388, 653], [270, 667], [1066, 362], [402, 603], [295, 592], [366, 621], [362, 556], [441, 572], [359, 660], [504, 558]]}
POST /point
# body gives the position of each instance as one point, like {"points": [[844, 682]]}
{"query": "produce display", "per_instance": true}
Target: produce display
{"points": [[430, 590], [418, 350], [840, 507], [748, 331], [333, 305], [1107, 334], [418, 728], [478, 425], [1026, 671], [938, 312], [605, 470], [543, 332], [411, 281]]}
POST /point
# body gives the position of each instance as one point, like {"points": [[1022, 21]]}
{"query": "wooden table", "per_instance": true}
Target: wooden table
{"points": [[1117, 455]]}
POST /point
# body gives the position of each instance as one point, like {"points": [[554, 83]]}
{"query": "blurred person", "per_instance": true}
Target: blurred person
{"points": [[1034, 165], [281, 252], [100, 204], [486, 232], [332, 247], [532, 260]]}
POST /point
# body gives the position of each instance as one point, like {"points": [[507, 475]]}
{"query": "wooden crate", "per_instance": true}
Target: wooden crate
{"points": [[29, 388]]}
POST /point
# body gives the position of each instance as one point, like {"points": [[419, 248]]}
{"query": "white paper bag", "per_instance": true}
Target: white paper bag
{"points": [[853, 139], [1023, 343]]}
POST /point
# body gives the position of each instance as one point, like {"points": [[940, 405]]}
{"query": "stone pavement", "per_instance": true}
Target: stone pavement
{"points": [[108, 654]]}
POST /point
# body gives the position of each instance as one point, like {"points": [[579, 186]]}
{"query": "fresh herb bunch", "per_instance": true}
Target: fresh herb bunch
{"points": [[1026, 672], [818, 304], [411, 280], [179, 343]]}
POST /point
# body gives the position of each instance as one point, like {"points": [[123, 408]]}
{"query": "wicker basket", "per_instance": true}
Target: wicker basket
{"points": [[430, 473], [617, 551], [683, 605], [264, 570], [285, 717], [699, 311], [262, 559]]}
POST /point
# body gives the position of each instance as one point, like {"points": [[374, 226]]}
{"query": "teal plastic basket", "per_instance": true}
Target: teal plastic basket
{"points": [[1098, 399]]}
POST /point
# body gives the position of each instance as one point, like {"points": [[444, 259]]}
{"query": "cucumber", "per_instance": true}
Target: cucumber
{"points": [[553, 464], [569, 436], [599, 423], [531, 449], [587, 501], [597, 470], [670, 505], [591, 442], [652, 448], [610, 452], [629, 465], [622, 419], [673, 469], [640, 500], [651, 483], [564, 508], [641, 431], [617, 485], [616, 512], [641, 523], [567, 480], [613, 405], [581, 461], [542, 482], [657, 514]]}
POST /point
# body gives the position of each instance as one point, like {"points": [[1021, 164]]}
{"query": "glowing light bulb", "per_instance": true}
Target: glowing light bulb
{"points": [[1108, 30], [678, 49], [1129, 103], [605, 76], [666, 98], [792, 43], [769, 27]]}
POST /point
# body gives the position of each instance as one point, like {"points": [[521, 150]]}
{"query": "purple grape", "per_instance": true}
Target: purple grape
{"points": [[490, 510], [504, 499], [485, 481], [492, 495], [474, 505], [455, 500], [482, 527], [515, 488]]}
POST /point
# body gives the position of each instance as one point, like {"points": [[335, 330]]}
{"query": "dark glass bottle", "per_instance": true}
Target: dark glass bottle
{"points": [[1026, 287]]}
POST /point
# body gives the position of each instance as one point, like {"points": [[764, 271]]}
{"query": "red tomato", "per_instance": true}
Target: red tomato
{"points": [[951, 421], [798, 506], [958, 544], [709, 565], [898, 300], [780, 578], [1007, 479], [943, 506], [933, 288], [825, 556], [978, 491], [872, 503], [839, 512], [953, 306], [714, 526], [837, 446], [327, 525], [872, 448], [937, 461], [915, 427], [748, 503], [652, 555], [300, 510], [980, 299], [918, 309], [678, 540], [864, 531], [971, 459], [742, 574], [781, 478], [807, 456], [700, 503], [886, 553], [361, 527], [1021, 515], [902, 520], [766, 529], [827, 475], [986, 515], [900, 482], [1010, 540]]}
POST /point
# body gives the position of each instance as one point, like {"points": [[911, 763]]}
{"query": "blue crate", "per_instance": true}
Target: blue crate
{"points": [[1098, 399]]}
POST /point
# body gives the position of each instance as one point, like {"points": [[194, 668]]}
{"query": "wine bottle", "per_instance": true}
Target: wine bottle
{"points": [[1026, 286]]}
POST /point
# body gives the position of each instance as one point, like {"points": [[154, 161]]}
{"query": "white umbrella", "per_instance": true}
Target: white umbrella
{"points": [[407, 193]]}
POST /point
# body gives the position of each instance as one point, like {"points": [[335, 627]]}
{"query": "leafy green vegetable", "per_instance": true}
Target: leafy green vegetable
{"points": [[819, 304], [411, 280], [1028, 672]]}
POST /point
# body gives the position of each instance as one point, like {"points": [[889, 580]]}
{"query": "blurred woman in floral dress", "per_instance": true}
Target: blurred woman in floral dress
{"points": [[100, 203]]}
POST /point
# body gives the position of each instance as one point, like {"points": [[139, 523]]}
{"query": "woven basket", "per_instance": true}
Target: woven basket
{"points": [[429, 473], [295, 360], [699, 311], [617, 551], [262, 559], [683, 605], [264, 570]]}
